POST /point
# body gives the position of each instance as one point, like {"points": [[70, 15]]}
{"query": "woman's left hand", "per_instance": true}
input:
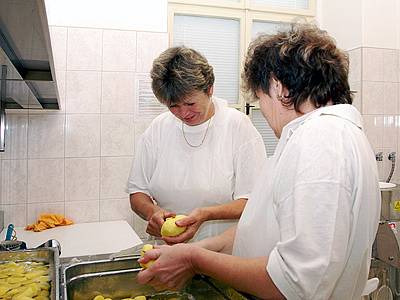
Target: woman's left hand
{"points": [[192, 222], [172, 267]]}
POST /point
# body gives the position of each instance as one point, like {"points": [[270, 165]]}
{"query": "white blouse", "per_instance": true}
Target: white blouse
{"points": [[181, 178], [315, 209]]}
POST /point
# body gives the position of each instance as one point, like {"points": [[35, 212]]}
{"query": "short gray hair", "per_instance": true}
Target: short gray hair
{"points": [[178, 72]]}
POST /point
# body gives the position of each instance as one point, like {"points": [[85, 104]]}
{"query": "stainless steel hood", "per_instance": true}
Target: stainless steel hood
{"points": [[28, 77]]}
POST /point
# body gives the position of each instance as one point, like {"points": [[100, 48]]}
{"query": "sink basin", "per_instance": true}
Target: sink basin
{"points": [[116, 279], [386, 185]]}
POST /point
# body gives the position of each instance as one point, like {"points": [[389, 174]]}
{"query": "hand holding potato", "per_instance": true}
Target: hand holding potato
{"points": [[173, 269], [191, 223], [156, 220]]}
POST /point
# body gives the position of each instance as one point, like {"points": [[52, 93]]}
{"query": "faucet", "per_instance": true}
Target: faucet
{"points": [[379, 156], [392, 158]]}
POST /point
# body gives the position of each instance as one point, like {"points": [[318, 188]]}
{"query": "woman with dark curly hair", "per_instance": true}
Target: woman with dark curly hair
{"points": [[308, 228]]}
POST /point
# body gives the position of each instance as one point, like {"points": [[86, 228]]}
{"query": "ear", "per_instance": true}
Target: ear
{"points": [[279, 89], [277, 86], [210, 91]]}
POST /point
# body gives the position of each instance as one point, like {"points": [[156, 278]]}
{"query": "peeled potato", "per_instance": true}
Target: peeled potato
{"points": [[24, 280], [146, 247], [140, 298], [169, 228]]}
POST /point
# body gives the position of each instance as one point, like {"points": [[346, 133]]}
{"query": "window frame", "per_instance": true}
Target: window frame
{"points": [[245, 13]]}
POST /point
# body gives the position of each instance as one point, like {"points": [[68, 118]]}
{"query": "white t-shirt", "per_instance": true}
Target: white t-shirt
{"points": [[315, 209], [181, 178]]}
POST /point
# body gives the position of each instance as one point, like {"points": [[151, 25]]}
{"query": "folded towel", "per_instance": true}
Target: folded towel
{"points": [[46, 221]]}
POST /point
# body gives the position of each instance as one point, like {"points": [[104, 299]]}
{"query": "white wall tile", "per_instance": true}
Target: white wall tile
{"points": [[357, 96], [36, 209], [58, 37], [118, 92], [14, 181], [46, 136], [119, 50], [82, 211], [16, 136], [140, 127], [149, 46], [373, 126], [390, 65], [140, 225], [372, 64], [372, 97], [116, 209], [82, 135], [117, 135], [15, 214], [83, 92], [45, 180], [114, 175], [391, 98], [82, 178], [390, 132], [381, 168], [355, 65], [84, 49]]}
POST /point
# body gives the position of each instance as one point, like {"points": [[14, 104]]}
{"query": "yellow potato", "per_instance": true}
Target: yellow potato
{"points": [[41, 297], [4, 289], [44, 286], [140, 298], [16, 279], [146, 247], [22, 297], [36, 273], [24, 280], [169, 228], [44, 293], [98, 297]]}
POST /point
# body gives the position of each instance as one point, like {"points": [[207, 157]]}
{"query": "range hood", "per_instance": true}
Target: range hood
{"points": [[26, 60], [27, 77]]}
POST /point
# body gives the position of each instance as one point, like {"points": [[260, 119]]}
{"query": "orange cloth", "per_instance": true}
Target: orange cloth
{"points": [[49, 221]]}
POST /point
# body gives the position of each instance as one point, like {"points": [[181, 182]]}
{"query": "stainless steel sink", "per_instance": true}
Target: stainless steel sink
{"points": [[46, 255], [116, 279]]}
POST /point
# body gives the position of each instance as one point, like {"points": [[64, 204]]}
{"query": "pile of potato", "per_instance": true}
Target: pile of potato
{"points": [[24, 281]]}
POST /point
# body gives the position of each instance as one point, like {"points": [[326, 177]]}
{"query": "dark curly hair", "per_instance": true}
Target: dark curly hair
{"points": [[178, 72], [305, 60]]}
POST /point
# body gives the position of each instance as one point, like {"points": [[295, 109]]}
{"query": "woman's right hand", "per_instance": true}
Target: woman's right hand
{"points": [[156, 220]]}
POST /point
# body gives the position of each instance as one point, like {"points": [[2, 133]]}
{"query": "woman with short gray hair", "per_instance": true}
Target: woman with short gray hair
{"points": [[199, 159]]}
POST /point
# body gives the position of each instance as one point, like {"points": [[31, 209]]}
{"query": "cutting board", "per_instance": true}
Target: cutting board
{"points": [[84, 238]]}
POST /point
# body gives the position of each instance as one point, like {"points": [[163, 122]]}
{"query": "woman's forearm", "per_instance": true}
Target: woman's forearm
{"points": [[244, 274], [221, 243], [228, 211], [142, 205]]}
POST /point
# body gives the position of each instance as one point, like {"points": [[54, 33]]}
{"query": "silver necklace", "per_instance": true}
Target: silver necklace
{"points": [[202, 141]]}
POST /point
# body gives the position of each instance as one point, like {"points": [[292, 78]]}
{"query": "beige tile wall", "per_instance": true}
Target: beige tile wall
{"points": [[375, 76], [76, 161]]}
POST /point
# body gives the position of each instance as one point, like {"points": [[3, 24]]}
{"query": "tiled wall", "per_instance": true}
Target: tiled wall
{"points": [[375, 75], [76, 161]]}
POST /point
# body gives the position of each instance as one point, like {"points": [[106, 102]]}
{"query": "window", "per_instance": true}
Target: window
{"points": [[218, 40], [222, 29], [264, 27]]}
